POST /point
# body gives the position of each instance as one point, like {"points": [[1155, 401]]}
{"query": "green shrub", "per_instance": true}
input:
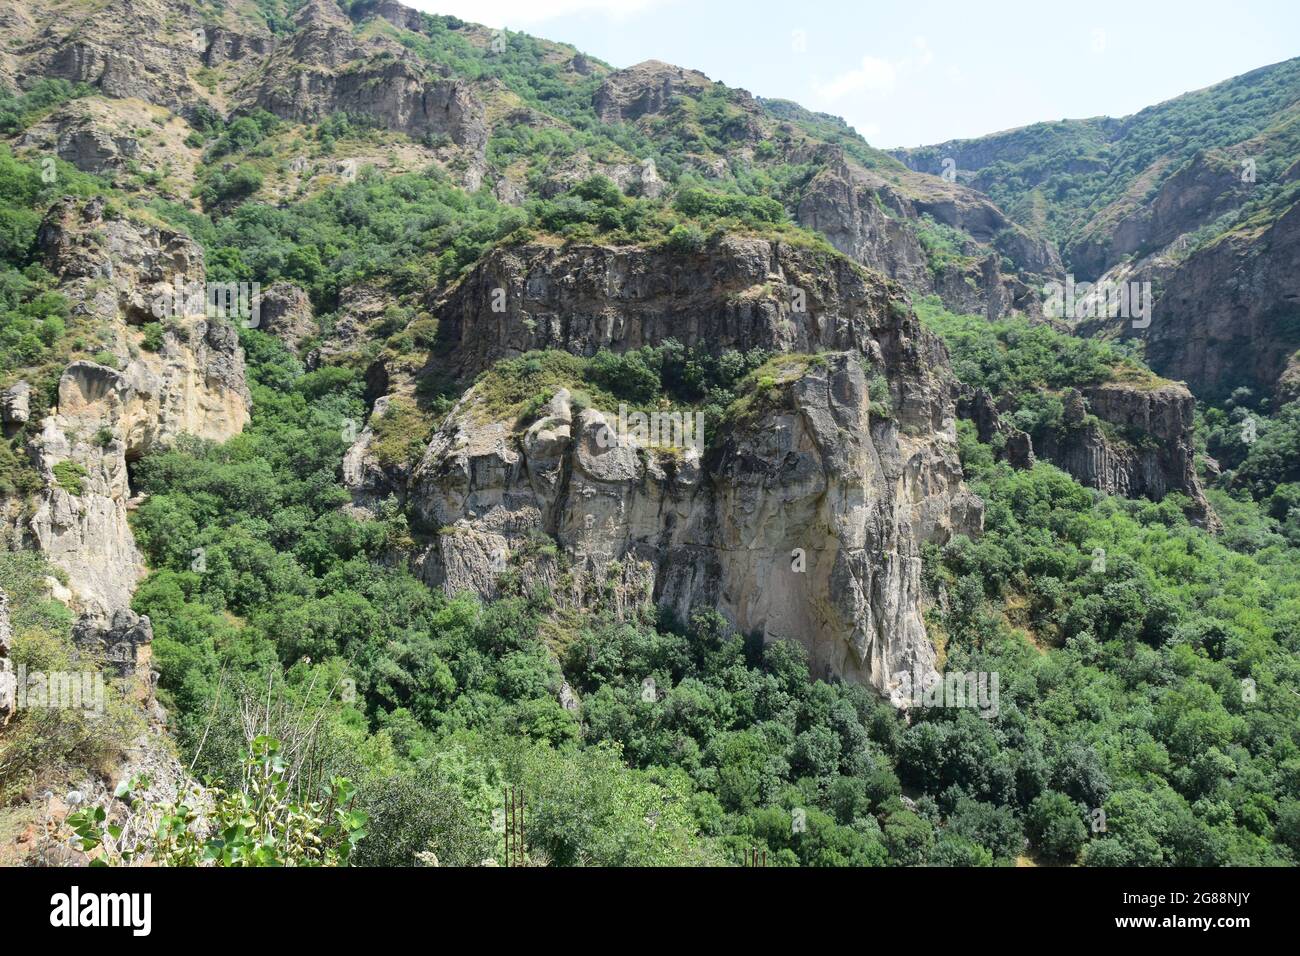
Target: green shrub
{"points": [[69, 476]]}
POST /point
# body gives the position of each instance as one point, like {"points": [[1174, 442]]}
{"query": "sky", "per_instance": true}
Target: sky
{"points": [[910, 72]]}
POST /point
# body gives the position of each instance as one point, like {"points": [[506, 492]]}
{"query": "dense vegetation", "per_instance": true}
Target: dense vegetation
{"points": [[1028, 367]]}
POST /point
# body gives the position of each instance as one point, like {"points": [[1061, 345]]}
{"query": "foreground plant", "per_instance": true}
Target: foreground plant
{"points": [[257, 825]]}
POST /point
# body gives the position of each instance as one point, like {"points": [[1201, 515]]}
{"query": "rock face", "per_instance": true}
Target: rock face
{"points": [[16, 404], [1140, 447], [1198, 192], [841, 203], [742, 293], [1137, 442], [873, 222], [1230, 314], [1010, 444], [647, 88], [287, 314], [93, 149], [121, 646], [803, 520], [8, 681], [326, 70], [111, 271], [126, 48]]}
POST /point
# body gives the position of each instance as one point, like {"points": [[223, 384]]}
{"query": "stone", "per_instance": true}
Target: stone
{"points": [[112, 270], [8, 681], [15, 404], [286, 312], [814, 472]]}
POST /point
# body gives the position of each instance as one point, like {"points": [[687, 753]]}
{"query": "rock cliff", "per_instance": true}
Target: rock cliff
{"points": [[112, 270], [1134, 439], [8, 680], [803, 519], [1138, 444]]}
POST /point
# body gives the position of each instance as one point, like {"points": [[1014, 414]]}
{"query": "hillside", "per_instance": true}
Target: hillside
{"points": [[1195, 195]]}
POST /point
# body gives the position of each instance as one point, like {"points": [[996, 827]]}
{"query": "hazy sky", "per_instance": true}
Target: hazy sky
{"points": [[909, 72]]}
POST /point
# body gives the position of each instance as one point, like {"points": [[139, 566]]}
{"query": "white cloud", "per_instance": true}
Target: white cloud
{"points": [[924, 55], [518, 13], [874, 75]]}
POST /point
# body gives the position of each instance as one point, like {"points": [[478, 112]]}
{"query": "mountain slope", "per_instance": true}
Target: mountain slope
{"points": [[1194, 196]]}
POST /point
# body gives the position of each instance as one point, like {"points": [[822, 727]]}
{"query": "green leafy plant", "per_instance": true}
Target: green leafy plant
{"points": [[71, 476], [260, 824]]}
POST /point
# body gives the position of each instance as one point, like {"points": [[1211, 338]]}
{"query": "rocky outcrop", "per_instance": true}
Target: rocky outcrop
{"points": [[121, 646], [398, 14], [112, 272], [1229, 314], [1137, 444], [360, 308], [286, 313], [874, 222], [1129, 439], [16, 405], [634, 179], [326, 70], [804, 521], [8, 680], [393, 92], [847, 206], [1010, 444], [648, 89], [1138, 223], [92, 149], [226, 46], [126, 48], [740, 293]]}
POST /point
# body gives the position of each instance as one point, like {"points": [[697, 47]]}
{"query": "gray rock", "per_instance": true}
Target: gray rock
{"points": [[112, 271], [1149, 452], [8, 681], [809, 479], [15, 404], [94, 150], [122, 644], [286, 313]]}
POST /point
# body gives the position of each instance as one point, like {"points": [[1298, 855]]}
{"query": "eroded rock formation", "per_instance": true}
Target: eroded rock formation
{"points": [[805, 517], [112, 272]]}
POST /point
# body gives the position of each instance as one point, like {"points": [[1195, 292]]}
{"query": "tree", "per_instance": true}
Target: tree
{"points": [[1055, 826]]}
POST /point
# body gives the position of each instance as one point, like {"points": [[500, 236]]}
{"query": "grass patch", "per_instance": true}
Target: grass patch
{"points": [[71, 476], [401, 433]]}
